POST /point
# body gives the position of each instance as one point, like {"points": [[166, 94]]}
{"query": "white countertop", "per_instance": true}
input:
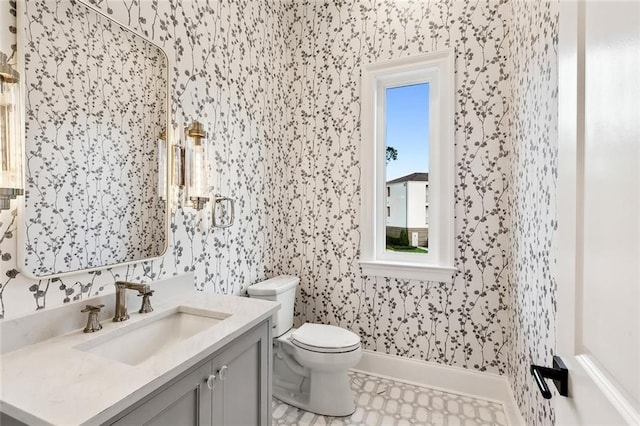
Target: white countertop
{"points": [[51, 382]]}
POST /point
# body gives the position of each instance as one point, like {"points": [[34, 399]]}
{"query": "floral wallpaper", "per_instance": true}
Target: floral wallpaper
{"points": [[221, 74], [316, 197], [91, 141], [532, 201]]}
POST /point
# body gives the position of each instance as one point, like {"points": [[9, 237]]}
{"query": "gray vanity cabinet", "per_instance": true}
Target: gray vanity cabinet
{"points": [[185, 402], [242, 383], [230, 388]]}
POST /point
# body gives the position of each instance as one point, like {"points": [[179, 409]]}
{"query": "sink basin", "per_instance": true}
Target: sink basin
{"points": [[138, 342]]}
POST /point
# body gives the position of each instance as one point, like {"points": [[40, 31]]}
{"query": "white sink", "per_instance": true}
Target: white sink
{"points": [[138, 342]]}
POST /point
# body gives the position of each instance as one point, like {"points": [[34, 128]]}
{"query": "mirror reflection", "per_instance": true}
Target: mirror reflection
{"points": [[407, 151], [96, 104]]}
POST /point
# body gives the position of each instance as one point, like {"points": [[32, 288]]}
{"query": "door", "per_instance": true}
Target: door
{"points": [[598, 330], [186, 402], [242, 395]]}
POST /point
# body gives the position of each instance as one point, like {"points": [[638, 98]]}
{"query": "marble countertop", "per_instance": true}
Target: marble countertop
{"points": [[52, 382]]}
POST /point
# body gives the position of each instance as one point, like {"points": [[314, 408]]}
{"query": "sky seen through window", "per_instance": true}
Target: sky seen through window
{"points": [[407, 129]]}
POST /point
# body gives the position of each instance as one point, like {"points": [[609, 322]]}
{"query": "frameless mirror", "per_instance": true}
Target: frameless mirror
{"points": [[96, 103]]}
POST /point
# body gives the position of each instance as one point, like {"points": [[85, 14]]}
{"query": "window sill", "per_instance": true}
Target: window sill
{"points": [[407, 271]]}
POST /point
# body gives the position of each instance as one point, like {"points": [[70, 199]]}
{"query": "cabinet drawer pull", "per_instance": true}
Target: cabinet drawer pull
{"points": [[222, 373], [211, 381]]}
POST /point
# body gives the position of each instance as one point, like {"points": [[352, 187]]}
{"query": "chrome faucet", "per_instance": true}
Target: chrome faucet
{"points": [[144, 290]]}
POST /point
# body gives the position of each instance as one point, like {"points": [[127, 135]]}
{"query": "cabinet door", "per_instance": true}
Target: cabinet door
{"points": [[186, 402], [242, 392]]}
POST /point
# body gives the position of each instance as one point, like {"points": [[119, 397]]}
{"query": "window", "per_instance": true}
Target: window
{"points": [[407, 130]]}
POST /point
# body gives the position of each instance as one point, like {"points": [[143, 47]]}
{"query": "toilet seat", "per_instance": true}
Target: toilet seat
{"points": [[324, 338]]}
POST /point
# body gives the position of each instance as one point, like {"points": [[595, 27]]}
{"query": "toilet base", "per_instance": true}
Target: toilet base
{"points": [[317, 382], [327, 394]]}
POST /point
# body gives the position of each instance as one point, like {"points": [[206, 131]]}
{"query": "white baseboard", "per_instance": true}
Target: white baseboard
{"points": [[458, 380]]}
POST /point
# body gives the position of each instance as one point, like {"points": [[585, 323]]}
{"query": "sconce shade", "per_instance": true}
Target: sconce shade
{"points": [[10, 139], [197, 168]]}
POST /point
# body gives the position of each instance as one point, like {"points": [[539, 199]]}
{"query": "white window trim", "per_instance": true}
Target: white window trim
{"points": [[438, 265]]}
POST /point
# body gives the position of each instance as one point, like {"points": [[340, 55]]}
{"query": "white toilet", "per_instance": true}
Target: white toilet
{"points": [[309, 363]]}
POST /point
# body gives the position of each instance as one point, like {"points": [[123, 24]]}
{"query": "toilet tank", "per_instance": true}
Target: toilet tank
{"points": [[280, 289]]}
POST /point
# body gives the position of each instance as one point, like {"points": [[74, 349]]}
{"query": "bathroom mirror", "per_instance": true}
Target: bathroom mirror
{"points": [[96, 102]]}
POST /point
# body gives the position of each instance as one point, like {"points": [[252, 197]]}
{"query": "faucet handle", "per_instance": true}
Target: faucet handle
{"points": [[93, 309], [92, 322], [146, 302], [145, 289]]}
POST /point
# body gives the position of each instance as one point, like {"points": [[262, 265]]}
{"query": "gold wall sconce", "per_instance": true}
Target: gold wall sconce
{"points": [[11, 181], [190, 167]]}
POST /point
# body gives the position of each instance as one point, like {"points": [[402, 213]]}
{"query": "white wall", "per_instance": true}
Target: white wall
{"points": [[417, 195], [397, 202]]}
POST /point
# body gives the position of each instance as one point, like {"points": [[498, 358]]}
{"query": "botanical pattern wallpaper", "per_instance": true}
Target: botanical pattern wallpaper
{"points": [[277, 85], [316, 196], [221, 64], [91, 140], [532, 201]]}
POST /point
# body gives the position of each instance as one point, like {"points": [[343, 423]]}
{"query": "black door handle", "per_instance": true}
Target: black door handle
{"points": [[559, 374]]}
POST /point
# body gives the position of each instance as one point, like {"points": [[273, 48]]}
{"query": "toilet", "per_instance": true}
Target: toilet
{"points": [[310, 363]]}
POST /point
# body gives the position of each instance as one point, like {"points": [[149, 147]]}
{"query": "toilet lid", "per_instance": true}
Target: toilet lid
{"points": [[325, 338]]}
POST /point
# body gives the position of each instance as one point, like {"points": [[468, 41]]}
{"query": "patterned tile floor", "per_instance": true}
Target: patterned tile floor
{"points": [[384, 402]]}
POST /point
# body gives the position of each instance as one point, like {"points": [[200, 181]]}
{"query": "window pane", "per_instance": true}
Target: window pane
{"points": [[407, 171]]}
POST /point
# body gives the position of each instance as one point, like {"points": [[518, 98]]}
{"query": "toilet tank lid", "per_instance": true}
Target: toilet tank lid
{"points": [[273, 286]]}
